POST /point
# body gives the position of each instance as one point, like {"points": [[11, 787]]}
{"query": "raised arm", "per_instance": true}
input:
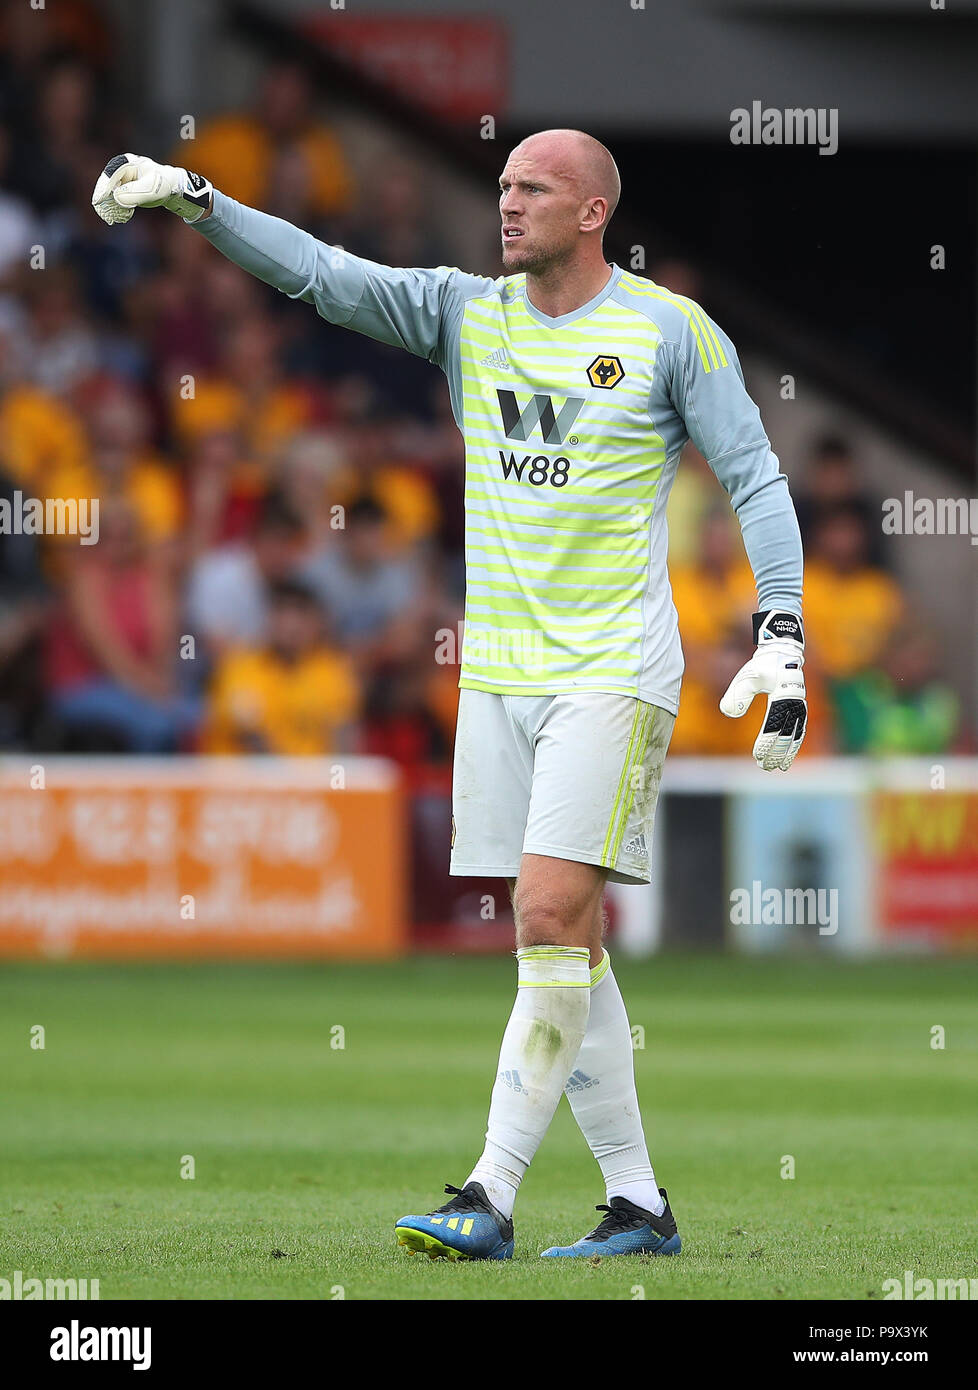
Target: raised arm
{"points": [[404, 308]]}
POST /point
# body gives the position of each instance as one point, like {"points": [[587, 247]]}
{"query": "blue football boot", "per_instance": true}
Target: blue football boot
{"points": [[626, 1229], [467, 1228]]}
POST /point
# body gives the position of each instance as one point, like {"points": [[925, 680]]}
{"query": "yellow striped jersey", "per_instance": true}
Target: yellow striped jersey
{"points": [[573, 428]]}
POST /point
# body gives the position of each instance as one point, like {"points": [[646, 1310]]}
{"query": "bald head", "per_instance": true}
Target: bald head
{"points": [[557, 193], [576, 158]]}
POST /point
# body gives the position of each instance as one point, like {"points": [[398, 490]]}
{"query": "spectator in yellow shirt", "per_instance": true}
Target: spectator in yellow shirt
{"points": [[714, 597], [374, 471], [249, 396], [52, 450], [293, 695], [40, 435], [241, 152], [851, 606], [124, 465]]}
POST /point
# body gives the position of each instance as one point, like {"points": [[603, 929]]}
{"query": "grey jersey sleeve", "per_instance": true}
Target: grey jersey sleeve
{"points": [[708, 392], [418, 310]]}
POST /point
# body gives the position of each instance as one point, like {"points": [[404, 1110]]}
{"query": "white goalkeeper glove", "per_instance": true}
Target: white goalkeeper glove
{"points": [[774, 670], [131, 181]]}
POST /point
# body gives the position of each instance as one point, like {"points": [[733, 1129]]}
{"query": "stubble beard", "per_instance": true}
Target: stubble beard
{"points": [[537, 260]]}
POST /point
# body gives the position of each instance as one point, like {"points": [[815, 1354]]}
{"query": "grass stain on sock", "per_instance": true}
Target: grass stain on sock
{"points": [[544, 1037]]}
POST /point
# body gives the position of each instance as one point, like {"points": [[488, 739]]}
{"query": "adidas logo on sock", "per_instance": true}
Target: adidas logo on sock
{"points": [[580, 1081], [497, 359], [512, 1080]]}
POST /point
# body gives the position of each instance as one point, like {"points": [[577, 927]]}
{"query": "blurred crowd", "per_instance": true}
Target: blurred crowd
{"points": [[873, 666], [280, 533]]}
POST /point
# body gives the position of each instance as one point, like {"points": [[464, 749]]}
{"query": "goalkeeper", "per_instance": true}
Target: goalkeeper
{"points": [[575, 385]]}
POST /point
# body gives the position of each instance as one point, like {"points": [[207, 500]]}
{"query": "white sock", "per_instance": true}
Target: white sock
{"points": [[542, 1038], [602, 1095]]}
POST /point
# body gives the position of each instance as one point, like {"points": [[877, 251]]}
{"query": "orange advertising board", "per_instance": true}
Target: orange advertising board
{"points": [[927, 846], [201, 857]]}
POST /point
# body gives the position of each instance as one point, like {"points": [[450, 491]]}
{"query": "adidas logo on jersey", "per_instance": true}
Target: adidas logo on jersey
{"points": [[580, 1081], [512, 1080], [636, 845], [497, 359]]}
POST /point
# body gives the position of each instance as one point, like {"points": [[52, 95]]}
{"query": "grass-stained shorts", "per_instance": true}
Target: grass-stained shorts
{"points": [[573, 776]]}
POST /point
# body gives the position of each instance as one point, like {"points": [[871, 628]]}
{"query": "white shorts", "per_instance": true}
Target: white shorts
{"points": [[572, 776]]}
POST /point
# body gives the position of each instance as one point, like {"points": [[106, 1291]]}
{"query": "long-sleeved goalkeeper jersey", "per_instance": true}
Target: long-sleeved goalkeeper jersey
{"points": [[573, 428]]}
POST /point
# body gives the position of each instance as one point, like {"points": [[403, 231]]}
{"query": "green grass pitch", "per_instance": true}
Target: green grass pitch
{"points": [[305, 1153]]}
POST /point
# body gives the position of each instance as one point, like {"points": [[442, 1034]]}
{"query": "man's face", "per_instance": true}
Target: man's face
{"points": [[367, 542], [841, 541], [541, 211], [294, 629], [276, 550]]}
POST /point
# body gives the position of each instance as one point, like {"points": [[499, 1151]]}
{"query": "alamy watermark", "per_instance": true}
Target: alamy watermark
{"points": [[488, 646], [758, 906], [910, 515], [78, 1343], [50, 516], [795, 125], [18, 1289], [924, 1290]]}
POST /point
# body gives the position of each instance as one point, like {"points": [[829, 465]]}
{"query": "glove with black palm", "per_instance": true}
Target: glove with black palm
{"points": [[131, 181], [774, 670]]}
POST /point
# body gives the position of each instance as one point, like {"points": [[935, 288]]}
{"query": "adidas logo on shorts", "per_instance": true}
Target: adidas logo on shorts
{"points": [[636, 845]]}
